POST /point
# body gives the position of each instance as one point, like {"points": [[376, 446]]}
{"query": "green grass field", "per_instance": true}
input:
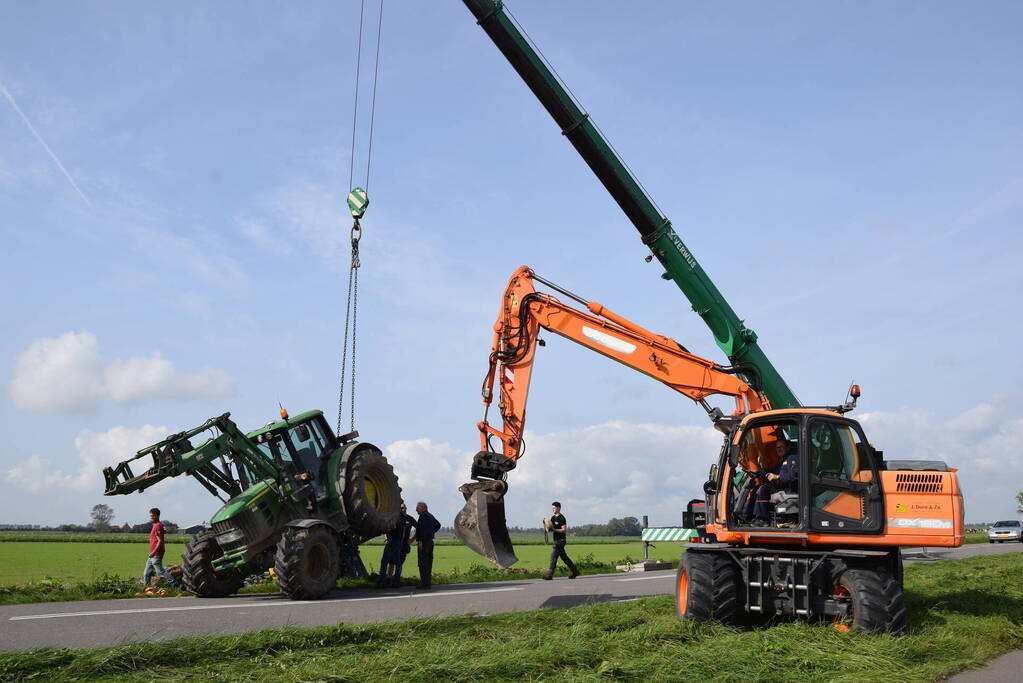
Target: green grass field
{"points": [[962, 613], [27, 561]]}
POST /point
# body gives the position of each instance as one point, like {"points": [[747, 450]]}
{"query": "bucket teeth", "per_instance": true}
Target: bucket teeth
{"points": [[481, 524]]}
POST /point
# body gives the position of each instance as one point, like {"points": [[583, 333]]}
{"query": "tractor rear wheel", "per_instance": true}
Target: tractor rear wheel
{"points": [[308, 562], [197, 569], [875, 601], [371, 494], [707, 587]]}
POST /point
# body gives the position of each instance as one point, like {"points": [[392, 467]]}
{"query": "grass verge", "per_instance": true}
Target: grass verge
{"points": [[963, 613], [107, 586]]}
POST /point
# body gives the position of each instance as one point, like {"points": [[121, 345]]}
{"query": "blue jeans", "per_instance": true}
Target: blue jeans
{"points": [[154, 565], [392, 555]]}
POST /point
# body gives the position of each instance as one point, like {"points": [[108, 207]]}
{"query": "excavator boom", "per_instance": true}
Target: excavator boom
{"points": [[523, 312]]}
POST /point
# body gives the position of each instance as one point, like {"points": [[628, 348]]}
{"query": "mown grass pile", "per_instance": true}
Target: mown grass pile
{"points": [[963, 613]]}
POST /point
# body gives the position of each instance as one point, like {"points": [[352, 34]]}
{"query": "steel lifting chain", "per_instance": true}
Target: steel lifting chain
{"points": [[351, 322]]}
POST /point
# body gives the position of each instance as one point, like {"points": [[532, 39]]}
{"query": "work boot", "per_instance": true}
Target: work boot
{"points": [[760, 521], [548, 575]]}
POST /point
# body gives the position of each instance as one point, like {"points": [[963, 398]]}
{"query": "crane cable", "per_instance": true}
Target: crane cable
{"points": [[358, 201]]}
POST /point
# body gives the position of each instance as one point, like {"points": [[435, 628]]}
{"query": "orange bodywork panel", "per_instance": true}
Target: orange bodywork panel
{"points": [[524, 310]]}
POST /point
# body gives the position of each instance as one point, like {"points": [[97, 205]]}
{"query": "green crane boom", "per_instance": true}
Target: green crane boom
{"points": [[737, 341]]}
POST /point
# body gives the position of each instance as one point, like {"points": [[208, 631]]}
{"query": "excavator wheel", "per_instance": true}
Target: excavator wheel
{"points": [[707, 587], [197, 572], [308, 562], [875, 601], [371, 494]]}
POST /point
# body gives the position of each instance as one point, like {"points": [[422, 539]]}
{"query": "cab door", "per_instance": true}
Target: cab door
{"points": [[843, 485]]}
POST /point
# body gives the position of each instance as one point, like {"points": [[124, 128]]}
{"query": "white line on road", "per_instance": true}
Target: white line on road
{"points": [[647, 578], [269, 603]]}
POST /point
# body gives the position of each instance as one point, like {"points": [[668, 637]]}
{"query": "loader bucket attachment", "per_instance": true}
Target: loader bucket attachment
{"points": [[481, 524]]}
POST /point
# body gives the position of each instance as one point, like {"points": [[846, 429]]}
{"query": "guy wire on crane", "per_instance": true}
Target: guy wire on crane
{"points": [[358, 202]]}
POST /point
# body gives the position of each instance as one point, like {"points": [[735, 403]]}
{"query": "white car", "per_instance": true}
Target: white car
{"points": [[1010, 530]]}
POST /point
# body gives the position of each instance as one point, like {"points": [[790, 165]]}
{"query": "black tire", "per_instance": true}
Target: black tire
{"points": [[875, 601], [371, 494], [197, 572], [308, 562], [707, 587]]}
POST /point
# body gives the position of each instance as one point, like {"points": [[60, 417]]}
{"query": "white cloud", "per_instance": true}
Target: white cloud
{"points": [[95, 450], [67, 374]]}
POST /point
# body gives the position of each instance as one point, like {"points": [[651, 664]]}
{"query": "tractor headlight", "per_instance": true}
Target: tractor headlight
{"points": [[231, 537]]}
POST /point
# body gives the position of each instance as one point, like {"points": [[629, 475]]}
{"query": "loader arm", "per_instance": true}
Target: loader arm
{"points": [[227, 461], [523, 312]]}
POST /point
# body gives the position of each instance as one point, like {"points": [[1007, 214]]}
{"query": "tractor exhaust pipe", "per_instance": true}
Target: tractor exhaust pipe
{"points": [[481, 523]]}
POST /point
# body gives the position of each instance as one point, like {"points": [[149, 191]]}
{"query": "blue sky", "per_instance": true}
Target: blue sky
{"points": [[172, 183]]}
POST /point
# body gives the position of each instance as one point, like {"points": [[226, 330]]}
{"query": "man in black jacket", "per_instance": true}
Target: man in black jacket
{"points": [[559, 528], [394, 550], [427, 527]]}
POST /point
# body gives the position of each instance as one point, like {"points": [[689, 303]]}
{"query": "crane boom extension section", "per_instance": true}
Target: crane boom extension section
{"points": [[481, 525], [737, 341]]}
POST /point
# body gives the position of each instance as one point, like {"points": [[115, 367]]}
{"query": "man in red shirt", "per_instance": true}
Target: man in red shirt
{"points": [[154, 565]]}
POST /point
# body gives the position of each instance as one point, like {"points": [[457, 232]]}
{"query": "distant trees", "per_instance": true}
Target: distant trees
{"points": [[102, 515], [1019, 502], [627, 526]]}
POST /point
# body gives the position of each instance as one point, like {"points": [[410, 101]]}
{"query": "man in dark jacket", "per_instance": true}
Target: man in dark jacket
{"points": [[788, 474], [427, 527], [559, 529], [394, 550]]}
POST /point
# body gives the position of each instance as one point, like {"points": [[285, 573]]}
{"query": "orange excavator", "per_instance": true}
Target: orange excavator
{"points": [[817, 535], [825, 543]]}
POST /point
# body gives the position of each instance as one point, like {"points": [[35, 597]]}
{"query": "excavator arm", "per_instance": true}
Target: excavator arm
{"points": [[523, 312]]}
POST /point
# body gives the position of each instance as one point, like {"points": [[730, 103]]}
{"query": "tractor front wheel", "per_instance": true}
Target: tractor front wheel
{"points": [[707, 587], [308, 562], [197, 571]]}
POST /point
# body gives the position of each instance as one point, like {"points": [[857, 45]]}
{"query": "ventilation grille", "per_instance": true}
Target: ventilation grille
{"points": [[914, 482]]}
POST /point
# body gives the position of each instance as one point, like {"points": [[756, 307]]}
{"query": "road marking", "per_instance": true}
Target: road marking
{"points": [[269, 603], [648, 578]]}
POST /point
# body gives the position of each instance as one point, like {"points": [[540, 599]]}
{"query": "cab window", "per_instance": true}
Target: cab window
{"points": [[838, 455]]}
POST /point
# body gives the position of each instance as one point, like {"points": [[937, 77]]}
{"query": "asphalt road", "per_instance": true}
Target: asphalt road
{"points": [[101, 623]]}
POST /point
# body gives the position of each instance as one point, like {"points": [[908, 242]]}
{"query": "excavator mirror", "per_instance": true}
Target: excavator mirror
{"points": [[713, 475]]}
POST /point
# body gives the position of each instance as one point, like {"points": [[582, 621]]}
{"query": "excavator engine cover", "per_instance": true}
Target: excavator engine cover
{"points": [[481, 524]]}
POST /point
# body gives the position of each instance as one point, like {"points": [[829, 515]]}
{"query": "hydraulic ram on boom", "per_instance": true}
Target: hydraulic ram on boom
{"points": [[737, 341]]}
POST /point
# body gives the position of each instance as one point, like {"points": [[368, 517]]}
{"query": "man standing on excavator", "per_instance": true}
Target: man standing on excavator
{"points": [[559, 528]]}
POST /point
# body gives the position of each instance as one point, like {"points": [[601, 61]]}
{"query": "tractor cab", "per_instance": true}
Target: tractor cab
{"points": [[806, 470], [301, 445]]}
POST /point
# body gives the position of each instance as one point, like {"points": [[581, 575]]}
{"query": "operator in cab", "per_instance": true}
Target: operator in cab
{"points": [[787, 475]]}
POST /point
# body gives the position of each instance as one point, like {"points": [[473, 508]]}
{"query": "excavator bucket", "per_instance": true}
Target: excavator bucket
{"points": [[481, 524]]}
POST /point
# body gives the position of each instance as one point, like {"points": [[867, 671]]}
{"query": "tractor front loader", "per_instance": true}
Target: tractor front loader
{"points": [[296, 498]]}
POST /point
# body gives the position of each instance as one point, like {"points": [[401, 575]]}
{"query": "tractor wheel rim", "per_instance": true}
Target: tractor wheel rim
{"points": [[316, 561], [376, 492], [682, 591]]}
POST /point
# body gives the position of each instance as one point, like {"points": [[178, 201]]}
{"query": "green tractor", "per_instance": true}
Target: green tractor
{"points": [[297, 499]]}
